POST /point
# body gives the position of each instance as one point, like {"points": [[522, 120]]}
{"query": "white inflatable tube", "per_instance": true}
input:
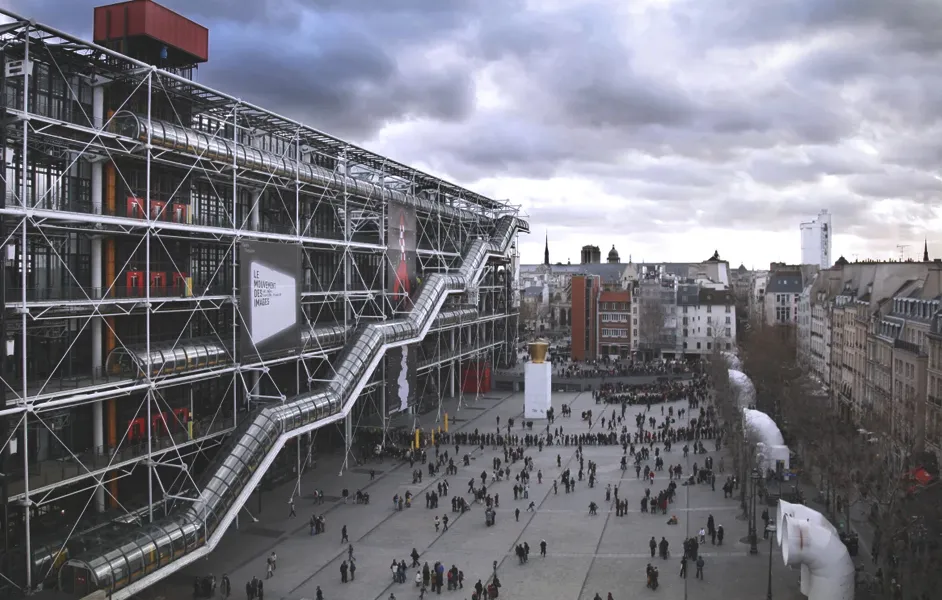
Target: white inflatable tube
{"points": [[798, 512], [743, 386], [764, 427], [810, 541]]}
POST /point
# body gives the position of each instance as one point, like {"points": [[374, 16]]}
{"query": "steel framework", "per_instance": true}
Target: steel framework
{"points": [[126, 191]]}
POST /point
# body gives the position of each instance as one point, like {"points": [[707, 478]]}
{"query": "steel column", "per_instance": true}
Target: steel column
{"points": [[24, 267], [147, 270]]}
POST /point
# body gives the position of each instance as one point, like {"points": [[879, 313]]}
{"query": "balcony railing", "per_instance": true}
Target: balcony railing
{"points": [[908, 347], [934, 400], [79, 293]]}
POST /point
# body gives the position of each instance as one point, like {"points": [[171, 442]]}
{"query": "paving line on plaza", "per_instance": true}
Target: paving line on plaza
{"points": [[328, 508], [540, 506], [632, 511], [598, 544], [617, 555], [382, 594], [431, 482]]}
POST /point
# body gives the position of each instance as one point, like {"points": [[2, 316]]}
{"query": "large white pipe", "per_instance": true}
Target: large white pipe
{"points": [[808, 539], [97, 349], [732, 361], [764, 427], [744, 388], [799, 512]]}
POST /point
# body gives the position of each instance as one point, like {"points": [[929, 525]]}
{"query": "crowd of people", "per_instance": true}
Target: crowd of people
{"points": [[647, 445], [569, 369]]}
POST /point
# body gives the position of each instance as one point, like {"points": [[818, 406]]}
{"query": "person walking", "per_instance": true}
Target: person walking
{"points": [[543, 548], [700, 567], [293, 512], [343, 535]]}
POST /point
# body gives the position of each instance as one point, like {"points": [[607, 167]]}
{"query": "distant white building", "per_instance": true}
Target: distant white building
{"points": [[816, 241]]}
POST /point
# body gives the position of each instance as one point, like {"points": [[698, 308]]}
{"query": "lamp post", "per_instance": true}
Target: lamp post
{"points": [[753, 537], [771, 530]]}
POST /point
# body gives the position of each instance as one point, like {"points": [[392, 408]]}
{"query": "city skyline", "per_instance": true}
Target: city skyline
{"points": [[681, 129]]}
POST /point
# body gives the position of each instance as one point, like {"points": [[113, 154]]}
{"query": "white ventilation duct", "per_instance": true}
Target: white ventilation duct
{"points": [[809, 540], [732, 361], [771, 448], [763, 426], [743, 387]]}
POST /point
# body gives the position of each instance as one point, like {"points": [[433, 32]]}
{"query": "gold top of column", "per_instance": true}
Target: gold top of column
{"points": [[538, 351]]}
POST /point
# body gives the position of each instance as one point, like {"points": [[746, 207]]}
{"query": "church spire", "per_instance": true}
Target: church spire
{"points": [[925, 251], [546, 251]]}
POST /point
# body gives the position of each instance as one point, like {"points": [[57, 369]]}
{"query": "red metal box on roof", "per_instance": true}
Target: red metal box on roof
{"points": [[144, 18]]}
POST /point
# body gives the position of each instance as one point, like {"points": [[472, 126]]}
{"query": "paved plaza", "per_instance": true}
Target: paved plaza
{"points": [[586, 554]]}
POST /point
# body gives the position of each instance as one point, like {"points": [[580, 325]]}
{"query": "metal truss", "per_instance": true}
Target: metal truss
{"points": [[116, 242]]}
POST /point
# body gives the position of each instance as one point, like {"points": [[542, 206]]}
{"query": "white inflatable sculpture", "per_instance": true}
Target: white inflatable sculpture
{"points": [[771, 445], [743, 387], [810, 541], [732, 361]]}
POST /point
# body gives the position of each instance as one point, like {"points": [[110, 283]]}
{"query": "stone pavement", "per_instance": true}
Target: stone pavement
{"points": [[586, 555]]}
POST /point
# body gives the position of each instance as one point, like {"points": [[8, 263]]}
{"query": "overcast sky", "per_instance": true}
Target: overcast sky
{"points": [[669, 128]]}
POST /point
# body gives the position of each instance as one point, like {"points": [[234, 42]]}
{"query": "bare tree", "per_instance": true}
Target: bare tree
{"points": [[531, 313], [848, 463], [741, 445], [769, 358], [652, 318]]}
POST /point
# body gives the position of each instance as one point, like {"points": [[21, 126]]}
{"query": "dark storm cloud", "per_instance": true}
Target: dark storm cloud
{"points": [[914, 24], [751, 113], [807, 165], [343, 82], [335, 65], [891, 184]]}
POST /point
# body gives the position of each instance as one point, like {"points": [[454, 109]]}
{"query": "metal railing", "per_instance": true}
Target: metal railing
{"points": [[171, 214], [88, 377], [118, 292], [908, 347], [54, 470]]}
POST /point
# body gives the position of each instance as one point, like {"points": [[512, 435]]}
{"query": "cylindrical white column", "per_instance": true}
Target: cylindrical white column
{"points": [[98, 425]]}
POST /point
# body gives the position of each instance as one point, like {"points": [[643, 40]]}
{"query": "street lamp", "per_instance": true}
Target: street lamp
{"points": [[770, 529], [755, 476]]}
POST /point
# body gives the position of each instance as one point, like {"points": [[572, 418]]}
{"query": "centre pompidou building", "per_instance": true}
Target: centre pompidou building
{"points": [[197, 293]]}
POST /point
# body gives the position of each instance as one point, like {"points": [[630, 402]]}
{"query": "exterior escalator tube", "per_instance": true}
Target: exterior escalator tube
{"points": [[163, 547], [202, 352]]}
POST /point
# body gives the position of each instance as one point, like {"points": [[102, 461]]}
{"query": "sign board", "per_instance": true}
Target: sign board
{"points": [[269, 299], [402, 287]]}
